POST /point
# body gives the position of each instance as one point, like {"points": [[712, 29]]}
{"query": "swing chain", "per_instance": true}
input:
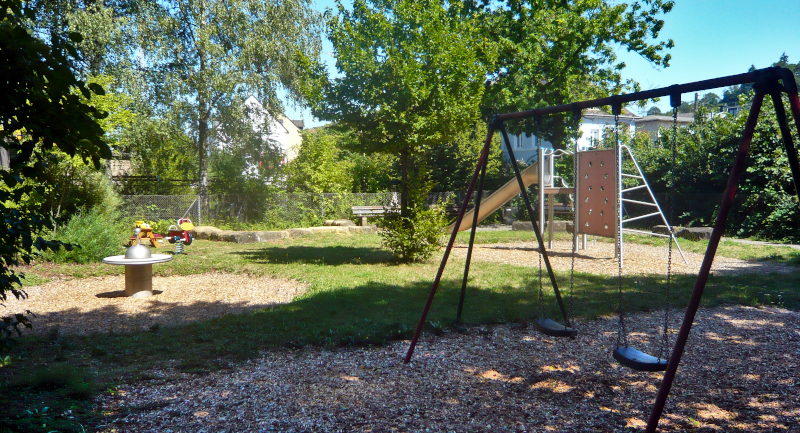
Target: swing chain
{"points": [[541, 291], [574, 235], [665, 337], [622, 332]]}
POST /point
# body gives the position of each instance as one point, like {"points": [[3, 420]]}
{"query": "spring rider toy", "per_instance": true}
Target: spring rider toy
{"points": [[179, 234]]}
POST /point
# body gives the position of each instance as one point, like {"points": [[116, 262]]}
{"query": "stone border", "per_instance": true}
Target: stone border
{"points": [[247, 237]]}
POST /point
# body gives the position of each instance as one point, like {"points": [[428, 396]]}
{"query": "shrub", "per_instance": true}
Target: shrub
{"points": [[415, 238], [94, 234]]}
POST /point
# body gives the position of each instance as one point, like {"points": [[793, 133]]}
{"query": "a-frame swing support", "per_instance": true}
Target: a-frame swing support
{"points": [[766, 82]]}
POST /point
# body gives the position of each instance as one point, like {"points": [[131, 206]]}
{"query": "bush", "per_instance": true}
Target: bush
{"points": [[98, 234], [415, 238]]}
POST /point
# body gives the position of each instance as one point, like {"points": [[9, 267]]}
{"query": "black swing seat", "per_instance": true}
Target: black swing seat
{"points": [[554, 329], [638, 360]]}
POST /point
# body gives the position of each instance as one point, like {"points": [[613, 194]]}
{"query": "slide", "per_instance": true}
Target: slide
{"points": [[500, 197]]}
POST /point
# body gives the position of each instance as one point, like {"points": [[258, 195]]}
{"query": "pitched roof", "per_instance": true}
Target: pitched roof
{"points": [[599, 112], [660, 118]]}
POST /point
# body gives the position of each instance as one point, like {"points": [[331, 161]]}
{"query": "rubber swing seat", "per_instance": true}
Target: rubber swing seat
{"points": [[638, 360], [554, 329]]}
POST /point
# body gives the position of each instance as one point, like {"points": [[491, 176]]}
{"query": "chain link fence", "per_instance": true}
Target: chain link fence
{"points": [[161, 207], [284, 210]]}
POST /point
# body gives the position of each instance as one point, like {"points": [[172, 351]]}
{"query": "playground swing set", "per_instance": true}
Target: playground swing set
{"points": [[593, 209]]}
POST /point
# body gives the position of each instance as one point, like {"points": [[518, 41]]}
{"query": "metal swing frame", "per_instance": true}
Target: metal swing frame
{"points": [[769, 81]]}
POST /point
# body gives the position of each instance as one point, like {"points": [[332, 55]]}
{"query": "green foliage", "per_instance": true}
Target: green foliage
{"points": [[203, 60], [320, 165], [551, 53], [416, 237], [410, 77], [452, 163], [767, 205], [94, 235], [40, 113]]}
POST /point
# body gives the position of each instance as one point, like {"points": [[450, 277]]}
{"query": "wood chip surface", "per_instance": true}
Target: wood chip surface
{"points": [[739, 374], [89, 305]]}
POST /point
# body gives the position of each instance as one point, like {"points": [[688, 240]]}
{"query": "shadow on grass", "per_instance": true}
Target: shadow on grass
{"points": [[327, 255], [373, 313]]}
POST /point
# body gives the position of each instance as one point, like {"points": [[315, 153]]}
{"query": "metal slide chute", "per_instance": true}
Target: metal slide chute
{"points": [[500, 197]]}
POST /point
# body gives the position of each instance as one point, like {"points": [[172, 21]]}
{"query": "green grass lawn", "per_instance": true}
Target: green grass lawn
{"points": [[358, 296]]}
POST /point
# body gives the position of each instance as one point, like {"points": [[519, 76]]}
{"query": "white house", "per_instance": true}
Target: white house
{"points": [[282, 132], [654, 123], [594, 124]]}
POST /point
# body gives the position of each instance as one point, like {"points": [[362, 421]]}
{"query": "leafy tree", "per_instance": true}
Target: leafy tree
{"points": [[40, 113], [654, 111], [453, 162], [199, 61], [410, 77], [374, 172], [319, 166], [104, 47], [551, 53]]}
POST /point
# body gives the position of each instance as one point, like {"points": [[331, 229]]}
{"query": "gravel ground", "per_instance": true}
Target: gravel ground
{"points": [[739, 374], [599, 259], [98, 304]]}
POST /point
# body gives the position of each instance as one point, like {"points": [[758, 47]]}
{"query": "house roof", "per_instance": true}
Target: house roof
{"points": [[590, 112], [659, 118], [300, 124]]}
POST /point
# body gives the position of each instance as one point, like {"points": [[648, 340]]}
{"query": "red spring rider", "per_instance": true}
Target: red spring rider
{"points": [[180, 234]]}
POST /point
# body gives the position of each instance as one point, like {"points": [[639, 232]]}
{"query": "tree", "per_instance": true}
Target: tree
{"points": [[450, 165], [104, 47], [654, 111], [410, 77], [551, 53], [40, 112], [200, 60], [320, 166]]}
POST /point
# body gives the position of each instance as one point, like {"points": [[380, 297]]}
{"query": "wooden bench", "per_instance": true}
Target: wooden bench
{"points": [[363, 212]]}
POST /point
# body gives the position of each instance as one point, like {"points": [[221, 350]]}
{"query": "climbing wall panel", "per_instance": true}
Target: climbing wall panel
{"points": [[596, 192]]}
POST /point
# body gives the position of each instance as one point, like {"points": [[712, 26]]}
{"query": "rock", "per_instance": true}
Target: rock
{"points": [[296, 233], [219, 235], [339, 223], [204, 232], [329, 229], [240, 237], [362, 229], [663, 230], [271, 236], [695, 233], [525, 226]]}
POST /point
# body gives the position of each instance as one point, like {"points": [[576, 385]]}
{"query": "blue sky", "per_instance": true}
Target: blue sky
{"points": [[713, 38]]}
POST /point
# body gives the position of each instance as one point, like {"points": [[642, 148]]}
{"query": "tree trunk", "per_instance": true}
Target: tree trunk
{"points": [[202, 145], [404, 162]]}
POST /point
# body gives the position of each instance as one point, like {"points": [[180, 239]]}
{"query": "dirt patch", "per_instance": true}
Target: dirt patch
{"points": [[599, 259], [89, 305]]}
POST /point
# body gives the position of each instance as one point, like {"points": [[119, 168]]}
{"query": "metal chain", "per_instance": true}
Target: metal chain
{"points": [[622, 332], [665, 338], [541, 290], [574, 235]]}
